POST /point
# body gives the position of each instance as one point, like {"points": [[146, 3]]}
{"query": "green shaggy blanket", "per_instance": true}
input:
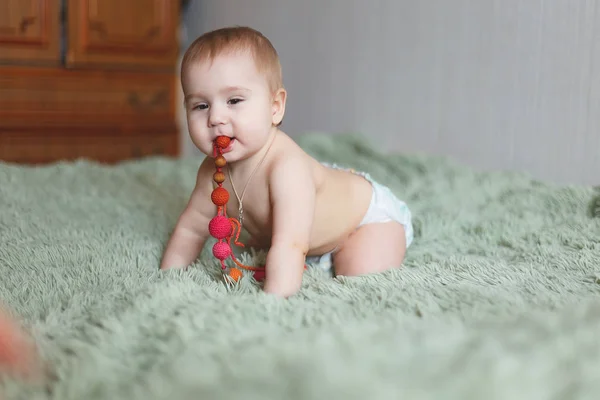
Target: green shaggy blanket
{"points": [[498, 297]]}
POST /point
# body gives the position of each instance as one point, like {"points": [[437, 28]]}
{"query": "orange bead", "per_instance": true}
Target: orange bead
{"points": [[220, 196], [219, 177], [220, 161], [235, 274], [223, 141]]}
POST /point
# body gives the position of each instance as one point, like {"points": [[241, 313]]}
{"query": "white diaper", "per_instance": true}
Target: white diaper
{"points": [[384, 207]]}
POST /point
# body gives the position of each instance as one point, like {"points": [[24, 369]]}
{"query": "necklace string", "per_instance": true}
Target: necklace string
{"points": [[240, 199]]}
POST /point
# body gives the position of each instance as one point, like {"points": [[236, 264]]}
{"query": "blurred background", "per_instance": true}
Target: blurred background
{"points": [[495, 84]]}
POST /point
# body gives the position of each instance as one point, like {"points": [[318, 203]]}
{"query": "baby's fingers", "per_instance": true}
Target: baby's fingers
{"points": [[18, 355]]}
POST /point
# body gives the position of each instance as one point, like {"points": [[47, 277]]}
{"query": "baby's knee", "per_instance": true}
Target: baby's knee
{"points": [[372, 248]]}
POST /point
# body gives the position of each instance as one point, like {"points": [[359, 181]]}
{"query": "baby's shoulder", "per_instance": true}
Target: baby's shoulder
{"points": [[288, 162], [290, 168]]}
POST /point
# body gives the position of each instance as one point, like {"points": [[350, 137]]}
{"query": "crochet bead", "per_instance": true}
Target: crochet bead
{"points": [[219, 177], [235, 274], [220, 196], [223, 141], [220, 161], [259, 275], [220, 227], [221, 250]]}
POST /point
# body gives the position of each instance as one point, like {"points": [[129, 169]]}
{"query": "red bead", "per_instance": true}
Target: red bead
{"points": [[220, 227], [221, 250], [223, 142], [220, 196], [259, 275]]}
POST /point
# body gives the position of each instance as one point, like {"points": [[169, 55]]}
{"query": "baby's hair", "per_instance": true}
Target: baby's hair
{"points": [[237, 39]]}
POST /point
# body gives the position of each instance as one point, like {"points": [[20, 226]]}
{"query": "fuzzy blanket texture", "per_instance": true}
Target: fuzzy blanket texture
{"points": [[498, 297]]}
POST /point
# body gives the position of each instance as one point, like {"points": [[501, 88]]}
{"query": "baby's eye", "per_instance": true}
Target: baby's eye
{"points": [[235, 101], [200, 107]]}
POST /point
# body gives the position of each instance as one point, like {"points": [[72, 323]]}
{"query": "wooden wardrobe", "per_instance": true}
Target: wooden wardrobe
{"points": [[91, 79]]}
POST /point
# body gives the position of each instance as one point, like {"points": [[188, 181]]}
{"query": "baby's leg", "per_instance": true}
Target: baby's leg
{"points": [[374, 247]]}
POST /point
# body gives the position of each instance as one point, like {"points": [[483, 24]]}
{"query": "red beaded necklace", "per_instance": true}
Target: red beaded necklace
{"points": [[222, 227]]}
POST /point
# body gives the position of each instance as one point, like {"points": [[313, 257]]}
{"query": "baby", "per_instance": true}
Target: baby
{"points": [[303, 211]]}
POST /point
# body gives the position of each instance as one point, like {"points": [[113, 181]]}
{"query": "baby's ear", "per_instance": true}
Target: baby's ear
{"points": [[278, 108]]}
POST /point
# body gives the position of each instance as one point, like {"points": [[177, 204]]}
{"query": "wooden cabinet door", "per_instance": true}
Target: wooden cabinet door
{"points": [[123, 34], [29, 31]]}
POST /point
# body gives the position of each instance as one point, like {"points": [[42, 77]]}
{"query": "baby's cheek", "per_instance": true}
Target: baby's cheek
{"points": [[257, 119], [203, 144]]}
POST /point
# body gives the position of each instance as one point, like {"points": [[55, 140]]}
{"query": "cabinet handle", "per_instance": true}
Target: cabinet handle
{"points": [[153, 32], [25, 23], [133, 100], [99, 28], [158, 100]]}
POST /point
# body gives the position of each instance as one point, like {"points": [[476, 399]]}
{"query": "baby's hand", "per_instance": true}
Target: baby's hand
{"points": [[18, 356]]}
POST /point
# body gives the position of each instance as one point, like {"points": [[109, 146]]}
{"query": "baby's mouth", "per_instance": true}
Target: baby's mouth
{"points": [[228, 148]]}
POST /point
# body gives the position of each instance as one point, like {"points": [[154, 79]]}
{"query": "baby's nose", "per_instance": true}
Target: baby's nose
{"points": [[217, 117]]}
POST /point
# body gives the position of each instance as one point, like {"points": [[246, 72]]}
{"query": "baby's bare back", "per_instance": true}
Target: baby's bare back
{"points": [[341, 198]]}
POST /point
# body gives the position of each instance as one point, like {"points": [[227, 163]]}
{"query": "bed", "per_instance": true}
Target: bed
{"points": [[498, 296]]}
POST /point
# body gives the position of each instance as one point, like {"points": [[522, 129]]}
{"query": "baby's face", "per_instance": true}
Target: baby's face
{"points": [[228, 97]]}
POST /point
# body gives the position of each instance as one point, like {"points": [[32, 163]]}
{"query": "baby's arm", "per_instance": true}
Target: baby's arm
{"points": [[191, 230], [292, 192]]}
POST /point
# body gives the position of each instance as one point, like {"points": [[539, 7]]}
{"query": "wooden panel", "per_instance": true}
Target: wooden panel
{"points": [[50, 114], [49, 95], [29, 31], [123, 34], [104, 144]]}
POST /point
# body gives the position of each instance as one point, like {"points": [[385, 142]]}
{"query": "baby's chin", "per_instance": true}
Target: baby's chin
{"points": [[235, 152], [230, 153], [234, 156]]}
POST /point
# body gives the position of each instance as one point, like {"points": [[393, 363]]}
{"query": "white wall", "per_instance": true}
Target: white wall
{"points": [[495, 83]]}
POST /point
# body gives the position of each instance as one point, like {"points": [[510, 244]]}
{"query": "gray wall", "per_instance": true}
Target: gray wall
{"points": [[494, 83]]}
